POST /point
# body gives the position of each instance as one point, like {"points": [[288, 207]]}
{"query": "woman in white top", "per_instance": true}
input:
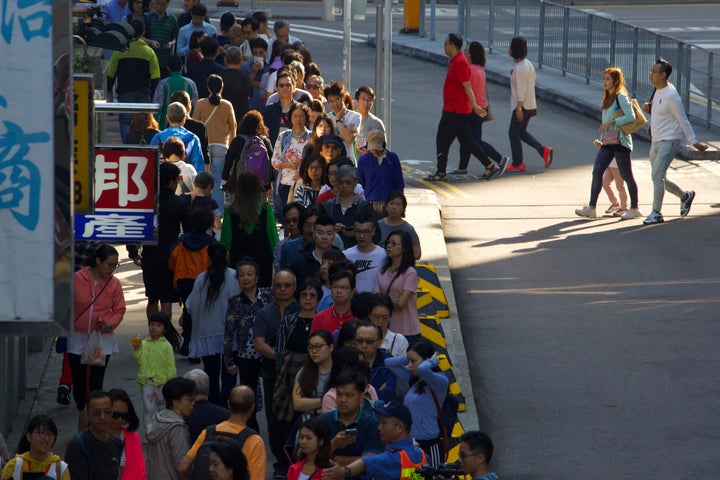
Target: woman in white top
{"points": [[524, 107], [287, 154]]}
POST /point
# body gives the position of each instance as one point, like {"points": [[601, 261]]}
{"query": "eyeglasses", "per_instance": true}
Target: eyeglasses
{"points": [[114, 266], [316, 347], [308, 295], [283, 285], [123, 415], [284, 85], [312, 87], [363, 232], [465, 455], [393, 244], [365, 341]]}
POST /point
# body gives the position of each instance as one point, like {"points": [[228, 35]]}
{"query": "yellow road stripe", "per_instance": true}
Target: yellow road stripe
{"points": [[435, 188], [455, 189]]}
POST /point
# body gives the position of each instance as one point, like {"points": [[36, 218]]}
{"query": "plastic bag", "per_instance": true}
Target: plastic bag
{"points": [[94, 353]]}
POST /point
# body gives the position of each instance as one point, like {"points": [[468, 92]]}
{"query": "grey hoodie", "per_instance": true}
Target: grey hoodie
{"points": [[168, 442]]}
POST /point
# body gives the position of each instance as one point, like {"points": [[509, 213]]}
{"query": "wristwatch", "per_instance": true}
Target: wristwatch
{"points": [[347, 472]]}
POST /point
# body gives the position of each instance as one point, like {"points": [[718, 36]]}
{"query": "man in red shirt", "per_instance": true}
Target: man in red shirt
{"points": [[458, 104], [342, 287]]}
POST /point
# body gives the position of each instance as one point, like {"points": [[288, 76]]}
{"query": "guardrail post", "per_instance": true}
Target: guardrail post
{"points": [[636, 36], [685, 70], [588, 49], [541, 36], [613, 43], [461, 18], [516, 26], [433, 5], [565, 39], [491, 25], [421, 31], [379, 24], [711, 59]]}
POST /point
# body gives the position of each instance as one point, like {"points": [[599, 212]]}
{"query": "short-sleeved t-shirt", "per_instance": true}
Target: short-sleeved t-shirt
{"points": [[386, 230], [321, 383], [253, 448], [454, 96], [368, 266], [403, 320]]}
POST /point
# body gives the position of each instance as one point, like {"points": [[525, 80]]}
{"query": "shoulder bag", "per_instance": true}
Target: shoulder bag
{"points": [[630, 127]]}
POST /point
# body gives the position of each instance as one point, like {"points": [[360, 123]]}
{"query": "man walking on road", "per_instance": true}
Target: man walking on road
{"points": [[458, 104], [669, 125]]}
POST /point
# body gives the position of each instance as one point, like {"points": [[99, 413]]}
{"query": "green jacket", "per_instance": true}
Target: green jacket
{"points": [[157, 361]]}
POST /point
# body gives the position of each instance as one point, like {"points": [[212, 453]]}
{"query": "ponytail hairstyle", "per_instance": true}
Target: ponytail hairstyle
{"points": [[215, 278], [215, 87], [34, 425], [171, 334], [102, 253]]}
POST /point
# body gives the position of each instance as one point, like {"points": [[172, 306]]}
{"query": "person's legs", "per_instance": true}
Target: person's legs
{"points": [[97, 376], [514, 133], [624, 163], [602, 160], [150, 404], [79, 380], [217, 161], [446, 133], [212, 365], [661, 155], [526, 137], [607, 180], [249, 372], [184, 287], [464, 136], [620, 186], [476, 132]]}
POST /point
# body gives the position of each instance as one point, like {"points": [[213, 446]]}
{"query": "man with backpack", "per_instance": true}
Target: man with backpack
{"points": [[235, 430]]}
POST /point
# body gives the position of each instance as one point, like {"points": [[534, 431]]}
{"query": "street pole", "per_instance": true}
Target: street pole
{"points": [[378, 58], [387, 72], [347, 31]]}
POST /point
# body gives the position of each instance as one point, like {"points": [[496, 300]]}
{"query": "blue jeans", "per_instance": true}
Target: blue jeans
{"points": [[217, 161], [137, 96], [661, 155], [476, 123]]}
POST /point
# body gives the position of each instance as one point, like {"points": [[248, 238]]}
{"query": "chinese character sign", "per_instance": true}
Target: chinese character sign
{"points": [[125, 199], [26, 161]]}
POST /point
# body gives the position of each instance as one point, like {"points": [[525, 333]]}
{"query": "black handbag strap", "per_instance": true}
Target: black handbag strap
{"points": [[93, 301]]}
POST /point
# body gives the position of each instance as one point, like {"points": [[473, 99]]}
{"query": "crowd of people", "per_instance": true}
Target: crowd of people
{"points": [[281, 235]]}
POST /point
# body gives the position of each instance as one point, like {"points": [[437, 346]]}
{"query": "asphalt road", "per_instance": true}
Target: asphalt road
{"points": [[592, 343]]}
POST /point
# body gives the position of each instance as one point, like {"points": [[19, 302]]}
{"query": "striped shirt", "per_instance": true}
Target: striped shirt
{"points": [[163, 30]]}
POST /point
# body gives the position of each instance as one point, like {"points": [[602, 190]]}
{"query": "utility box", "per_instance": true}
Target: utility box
{"points": [[333, 10]]}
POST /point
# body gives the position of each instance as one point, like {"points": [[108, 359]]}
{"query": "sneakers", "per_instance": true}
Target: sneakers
{"points": [[612, 209], [504, 161], [458, 171], [587, 212], [490, 172], [515, 168], [619, 212], [687, 203], [547, 156], [653, 218], [630, 214], [63, 395]]}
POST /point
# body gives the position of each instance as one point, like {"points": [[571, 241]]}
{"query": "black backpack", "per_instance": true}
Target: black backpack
{"points": [[201, 465]]}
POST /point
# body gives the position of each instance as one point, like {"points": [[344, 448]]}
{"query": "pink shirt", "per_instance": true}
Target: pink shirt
{"points": [[478, 85], [405, 320]]}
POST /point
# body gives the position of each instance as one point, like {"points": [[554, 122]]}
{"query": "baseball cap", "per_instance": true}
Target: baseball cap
{"points": [[331, 138], [396, 410]]}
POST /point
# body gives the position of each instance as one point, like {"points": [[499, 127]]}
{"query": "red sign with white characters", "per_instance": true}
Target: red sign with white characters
{"points": [[125, 178]]}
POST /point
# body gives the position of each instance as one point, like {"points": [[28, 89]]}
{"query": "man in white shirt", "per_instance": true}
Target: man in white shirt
{"points": [[367, 256], [670, 128], [347, 122], [364, 98]]}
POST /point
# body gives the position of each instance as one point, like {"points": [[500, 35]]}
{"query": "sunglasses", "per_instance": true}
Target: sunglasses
{"points": [[123, 415]]}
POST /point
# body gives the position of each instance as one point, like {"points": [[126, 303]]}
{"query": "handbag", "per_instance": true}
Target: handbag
{"points": [[640, 119], [94, 354], [611, 137]]}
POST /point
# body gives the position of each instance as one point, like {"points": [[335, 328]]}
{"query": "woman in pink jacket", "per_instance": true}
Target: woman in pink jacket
{"points": [[99, 306]]}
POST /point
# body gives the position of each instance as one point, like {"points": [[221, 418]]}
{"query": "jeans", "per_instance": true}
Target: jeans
{"points": [[456, 125], [217, 161], [661, 155], [518, 132], [602, 160], [137, 96], [476, 123]]}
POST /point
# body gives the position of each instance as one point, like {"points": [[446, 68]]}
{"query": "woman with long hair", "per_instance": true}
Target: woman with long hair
{"points": [[312, 178], [475, 53], [194, 55], [399, 280], [312, 451], [124, 425], [428, 387], [99, 307], [311, 380], [207, 305], [616, 110], [249, 227], [287, 154], [227, 462], [524, 107], [33, 453], [251, 125], [143, 128], [218, 116], [323, 125], [240, 356]]}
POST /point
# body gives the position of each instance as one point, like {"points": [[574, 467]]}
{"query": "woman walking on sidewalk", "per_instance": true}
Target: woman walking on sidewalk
{"points": [[615, 99], [475, 53], [524, 107]]}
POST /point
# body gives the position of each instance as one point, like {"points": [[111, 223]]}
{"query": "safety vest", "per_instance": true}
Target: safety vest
{"points": [[407, 467]]}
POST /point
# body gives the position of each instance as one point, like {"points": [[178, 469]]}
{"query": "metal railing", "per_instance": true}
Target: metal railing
{"points": [[584, 44]]}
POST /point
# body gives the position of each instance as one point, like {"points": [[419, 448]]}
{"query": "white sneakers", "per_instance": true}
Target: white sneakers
{"points": [[587, 212], [630, 214]]}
